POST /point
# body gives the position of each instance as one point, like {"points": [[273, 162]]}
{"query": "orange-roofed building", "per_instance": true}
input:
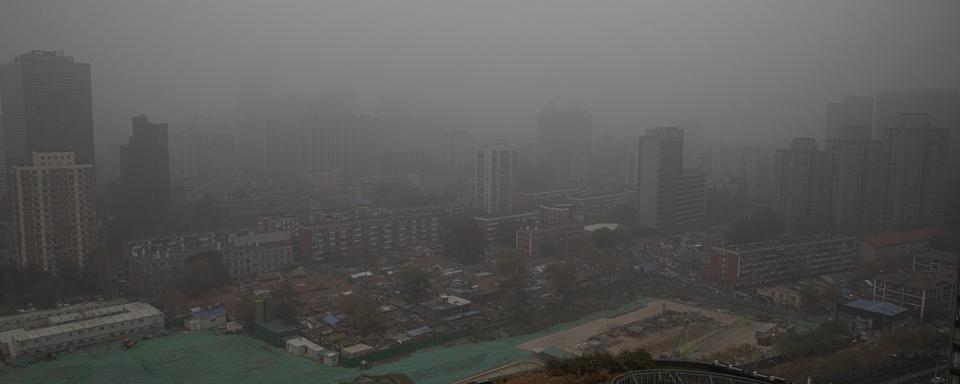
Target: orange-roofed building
{"points": [[893, 249]]}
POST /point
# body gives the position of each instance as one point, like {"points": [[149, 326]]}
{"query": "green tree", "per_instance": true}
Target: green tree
{"points": [[71, 278], [284, 300], [510, 262], [607, 239], [416, 282], [246, 310], [513, 297], [463, 240], [361, 310], [562, 278], [44, 289]]}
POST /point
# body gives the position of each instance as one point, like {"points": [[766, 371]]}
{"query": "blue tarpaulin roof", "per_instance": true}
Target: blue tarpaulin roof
{"points": [[847, 293], [332, 319], [877, 307], [461, 315], [648, 267], [209, 312]]}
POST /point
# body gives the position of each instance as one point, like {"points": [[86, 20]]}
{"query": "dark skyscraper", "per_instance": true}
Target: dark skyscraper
{"points": [[857, 178], [942, 106], [46, 107], [564, 137], [851, 111], [145, 168], [801, 185], [917, 156]]}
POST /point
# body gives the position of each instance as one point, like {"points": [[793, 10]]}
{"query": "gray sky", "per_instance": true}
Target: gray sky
{"points": [[759, 71]]}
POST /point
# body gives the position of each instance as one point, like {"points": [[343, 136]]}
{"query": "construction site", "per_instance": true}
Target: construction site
{"points": [[665, 329]]}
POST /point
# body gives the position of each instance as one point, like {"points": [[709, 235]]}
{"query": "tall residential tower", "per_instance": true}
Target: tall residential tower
{"points": [[496, 177], [55, 210], [46, 107]]}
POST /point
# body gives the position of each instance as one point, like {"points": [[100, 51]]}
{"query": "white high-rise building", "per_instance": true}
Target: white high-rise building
{"points": [[350, 143], [667, 195], [55, 210], [496, 177]]}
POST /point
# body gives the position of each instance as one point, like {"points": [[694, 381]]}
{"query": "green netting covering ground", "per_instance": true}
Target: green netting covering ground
{"points": [[207, 358]]}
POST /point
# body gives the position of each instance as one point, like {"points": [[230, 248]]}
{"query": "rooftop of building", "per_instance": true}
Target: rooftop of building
{"points": [[917, 280], [215, 311], [943, 256], [890, 238], [797, 241], [94, 318], [13, 320], [879, 307], [506, 215]]}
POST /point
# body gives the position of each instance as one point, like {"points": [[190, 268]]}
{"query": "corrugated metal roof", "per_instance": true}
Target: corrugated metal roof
{"points": [[882, 308]]}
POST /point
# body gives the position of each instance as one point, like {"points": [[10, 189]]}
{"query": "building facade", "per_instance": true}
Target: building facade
{"points": [[891, 251], [490, 223], [348, 142], [55, 210], [77, 330], [47, 106], [667, 195], [495, 178], [158, 263], [801, 186], [145, 168], [930, 295], [857, 182], [941, 105], [564, 137], [756, 171], [850, 111], [781, 260], [392, 230], [201, 155], [531, 240], [917, 157]]}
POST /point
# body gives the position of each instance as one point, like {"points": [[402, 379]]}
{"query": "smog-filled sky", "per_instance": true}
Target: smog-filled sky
{"points": [[756, 71]]}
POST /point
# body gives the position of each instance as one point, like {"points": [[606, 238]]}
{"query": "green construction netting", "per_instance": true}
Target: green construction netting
{"points": [[207, 358]]}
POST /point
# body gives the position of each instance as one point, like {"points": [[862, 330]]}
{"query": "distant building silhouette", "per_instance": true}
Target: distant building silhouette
{"points": [[496, 177], [55, 210], [46, 107], [756, 171], [941, 105], [199, 155], [145, 169], [347, 142], [667, 195], [564, 138], [917, 168], [858, 188], [802, 185], [851, 111]]}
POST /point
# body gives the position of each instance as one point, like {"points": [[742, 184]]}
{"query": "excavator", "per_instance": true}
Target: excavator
{"points": [[125, 342]]}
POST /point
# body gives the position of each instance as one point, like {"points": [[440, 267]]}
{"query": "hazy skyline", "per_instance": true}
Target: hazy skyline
{"points": [[754, 71]]}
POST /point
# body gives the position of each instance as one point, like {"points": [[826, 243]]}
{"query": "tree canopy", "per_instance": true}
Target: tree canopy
{"points": [[416, 282]]}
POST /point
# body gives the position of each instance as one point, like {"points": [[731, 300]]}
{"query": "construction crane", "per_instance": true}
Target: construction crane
{"points": [[680, 337]]}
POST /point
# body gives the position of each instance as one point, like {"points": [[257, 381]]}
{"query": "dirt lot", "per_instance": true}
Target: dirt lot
{"points": [[700, 339]]}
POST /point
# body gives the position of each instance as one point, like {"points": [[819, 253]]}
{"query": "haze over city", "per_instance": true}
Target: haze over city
{"points": [[510, 192]]}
